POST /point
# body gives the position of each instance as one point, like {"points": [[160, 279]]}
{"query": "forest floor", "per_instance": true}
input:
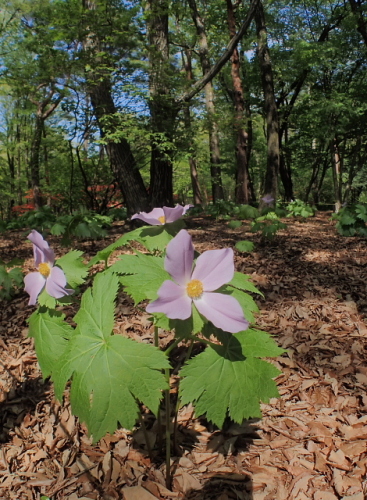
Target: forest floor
{"points": [[311, 442]]}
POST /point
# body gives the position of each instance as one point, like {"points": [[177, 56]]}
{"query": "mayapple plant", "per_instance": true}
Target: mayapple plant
{"points": [[201, 299]]}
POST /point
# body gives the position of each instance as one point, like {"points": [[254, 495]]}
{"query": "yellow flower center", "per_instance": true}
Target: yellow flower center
{"points": [[162, 219], [194, 289], [44, 269]]}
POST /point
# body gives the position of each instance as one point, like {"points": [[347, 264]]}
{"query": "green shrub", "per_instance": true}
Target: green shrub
{"points": [[351, 220], [11, 279], [268, 225], [299, 208]]}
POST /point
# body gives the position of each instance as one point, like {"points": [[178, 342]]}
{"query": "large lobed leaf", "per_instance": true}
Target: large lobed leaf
{"points": [[230, 379], [51, 334], [143, 275], [109, 373]]}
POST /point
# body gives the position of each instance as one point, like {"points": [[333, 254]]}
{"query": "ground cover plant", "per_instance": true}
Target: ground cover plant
{"points": [[315, 307], [111, 376]]}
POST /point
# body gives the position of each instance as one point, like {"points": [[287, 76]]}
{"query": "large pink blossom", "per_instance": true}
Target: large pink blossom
{"points": [[48, 275], [196, 286], [160, 216]]}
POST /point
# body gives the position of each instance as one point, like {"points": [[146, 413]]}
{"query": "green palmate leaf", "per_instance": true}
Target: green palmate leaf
{"points": [[146, 275], [96, 313], [51, 334], [73, 267], [44, 299], [109, 372], [242, 282], [106, 252], [244, 246], [152, 237], [230, 379], [183, 328], [234, 224]]}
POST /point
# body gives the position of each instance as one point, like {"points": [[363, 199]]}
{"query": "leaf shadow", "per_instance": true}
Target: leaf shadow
{"points": [[224, 487], [22, 399]]}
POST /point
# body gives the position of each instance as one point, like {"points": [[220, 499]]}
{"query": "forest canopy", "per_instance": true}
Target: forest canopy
{"points": [[108, 103]]}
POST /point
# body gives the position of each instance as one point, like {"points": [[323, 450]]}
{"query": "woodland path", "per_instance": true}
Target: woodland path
{"points": [[311, 442]]}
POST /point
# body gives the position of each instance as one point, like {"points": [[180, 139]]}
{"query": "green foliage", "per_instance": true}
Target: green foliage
{"points": [[268, 225], [226, 209], [82, 225], [229, 379], [234, 224], [299, 208], [51, 334], [118, 213], [143, 275], [109, 373], [10, 279], [153, 238], [74, 268], [246, 212], [351, 220], [244, 246]]}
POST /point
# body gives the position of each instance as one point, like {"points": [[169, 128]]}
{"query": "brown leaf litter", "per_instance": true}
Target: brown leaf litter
{"points": [[311, 442]]}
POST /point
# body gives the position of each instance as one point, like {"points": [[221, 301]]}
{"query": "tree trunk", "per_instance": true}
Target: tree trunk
{"points": [[121, 157], [243, 181], [34, 165], [197, 196], [162, 106], [270, 107], [214, 150], [336, 162]]}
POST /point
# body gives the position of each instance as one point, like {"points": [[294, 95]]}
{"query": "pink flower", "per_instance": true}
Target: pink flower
{"points": [[213, 269], [48, 275], [160, 216], [268, 199]]}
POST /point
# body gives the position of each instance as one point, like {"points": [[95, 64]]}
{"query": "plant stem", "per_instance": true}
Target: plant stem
{"points": [[178, 402], [156, 338], [172, 346], [168, 430], [146, 437], [204, 341]]}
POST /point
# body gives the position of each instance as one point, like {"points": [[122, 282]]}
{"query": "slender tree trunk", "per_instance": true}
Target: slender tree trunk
{"points": [[270, 107], [215, 168], [197, 198], [243, 181], [336, 162], [34, 165]]}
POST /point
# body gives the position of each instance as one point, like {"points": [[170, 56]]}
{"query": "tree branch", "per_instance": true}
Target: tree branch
{"points": [[200, 84]]}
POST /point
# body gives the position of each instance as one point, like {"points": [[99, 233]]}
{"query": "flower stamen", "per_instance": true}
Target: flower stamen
{"points": [[194, 289], [162, 219], [44, 269]]}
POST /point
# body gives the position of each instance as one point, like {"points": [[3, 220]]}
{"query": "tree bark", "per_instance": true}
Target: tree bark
{"points": [[336, 162], [162, 106], [270, 107], [214, 150], [121, 157], [197, 196], [243, 180]]}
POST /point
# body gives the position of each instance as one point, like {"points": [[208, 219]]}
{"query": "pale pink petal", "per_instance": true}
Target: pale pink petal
{"points": [[179, 257], [173, 301], [214, 268], [150, 217], [34, 284], [223, 311], [173, 214], [186, 208], [41, 250], [56, 282]]}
